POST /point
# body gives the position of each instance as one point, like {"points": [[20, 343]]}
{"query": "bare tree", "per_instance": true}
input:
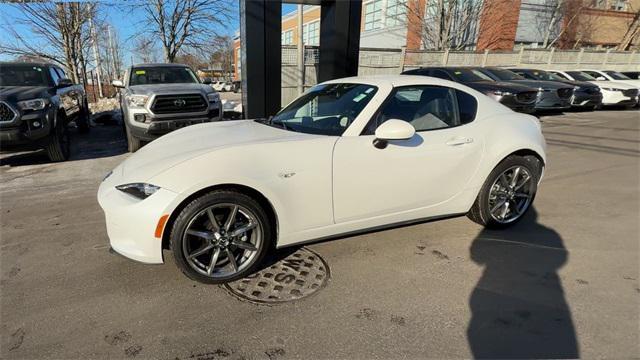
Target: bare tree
{"points": [[447, 24], [633, 31], [59, 34], [187, 25], [145, 49]]}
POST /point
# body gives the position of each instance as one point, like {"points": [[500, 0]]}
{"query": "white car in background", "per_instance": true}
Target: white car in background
{"points": [[613, 92], [347, 156], [610, 75], [218, 85]]}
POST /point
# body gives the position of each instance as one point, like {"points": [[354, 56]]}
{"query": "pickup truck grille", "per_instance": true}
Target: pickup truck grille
{"points": [[527, 97], [186, 103], [6, 113], [565, 93]]}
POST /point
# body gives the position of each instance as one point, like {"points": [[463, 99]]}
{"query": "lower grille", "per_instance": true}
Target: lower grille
{"points": [[170, 104], [565, 93], [630, 92], [527, 97], [6, 113]]}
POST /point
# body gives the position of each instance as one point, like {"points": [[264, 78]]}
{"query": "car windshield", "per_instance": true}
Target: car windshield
{"points": [[580, 76], [23, 75], [505, 75], [617, 76], [543, 75], [162, 75], [469, 75], [326, 109]]}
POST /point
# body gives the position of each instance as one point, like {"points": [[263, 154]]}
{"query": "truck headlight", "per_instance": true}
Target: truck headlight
{"points": [[213, 97], [33, 104], [139, 190], [137, 100]]}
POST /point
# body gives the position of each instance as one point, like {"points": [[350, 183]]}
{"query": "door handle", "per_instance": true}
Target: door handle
{"points": [[459, 141]]}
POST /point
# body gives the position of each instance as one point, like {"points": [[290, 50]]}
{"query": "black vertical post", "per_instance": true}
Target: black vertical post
{"points": [[260, 28], [339, 38]]}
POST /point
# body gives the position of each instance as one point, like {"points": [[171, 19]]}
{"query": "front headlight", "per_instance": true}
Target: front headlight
{"points": [[139, 190], [213, 97], [502, 93], [137, 100], [33, 104]]}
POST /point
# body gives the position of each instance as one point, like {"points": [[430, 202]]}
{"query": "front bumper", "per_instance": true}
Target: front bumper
{"points": [[153, 126], [26, 128], [549, 100], [580, 100], [618, 98], [131, 222]]}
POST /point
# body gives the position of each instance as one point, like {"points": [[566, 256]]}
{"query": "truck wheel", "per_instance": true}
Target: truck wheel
{"points": [[58, 144], [83, 119], [133, 142]]}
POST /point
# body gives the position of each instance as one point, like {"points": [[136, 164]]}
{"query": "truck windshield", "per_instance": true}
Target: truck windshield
{"points": [[162, 75], [23, 75], [326, 109]]}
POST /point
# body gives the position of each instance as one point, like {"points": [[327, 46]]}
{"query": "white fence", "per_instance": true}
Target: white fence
{"points": [[394, 61]]}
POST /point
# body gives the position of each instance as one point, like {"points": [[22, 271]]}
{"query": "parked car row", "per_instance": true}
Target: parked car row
{"points": [[531, 90]]}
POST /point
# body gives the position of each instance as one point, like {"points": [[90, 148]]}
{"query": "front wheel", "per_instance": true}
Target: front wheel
{"points": [[507, 193], [58, 145], [220, 237]]}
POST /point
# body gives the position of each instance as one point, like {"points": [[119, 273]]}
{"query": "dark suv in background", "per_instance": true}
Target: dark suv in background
{"points": [[552, 95], [585, 94], [517, 97], [37, 101]]}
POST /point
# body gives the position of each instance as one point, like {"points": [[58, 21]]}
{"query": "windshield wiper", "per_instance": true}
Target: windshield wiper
{"points": [[269, 121]]}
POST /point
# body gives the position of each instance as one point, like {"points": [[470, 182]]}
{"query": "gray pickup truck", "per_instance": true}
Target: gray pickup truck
{"points": [[158, 98]]}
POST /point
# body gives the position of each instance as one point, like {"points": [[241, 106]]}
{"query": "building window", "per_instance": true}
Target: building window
{"points": [[287, 37], [311, 33], [618, 5], [396, 12], [373, 15]]}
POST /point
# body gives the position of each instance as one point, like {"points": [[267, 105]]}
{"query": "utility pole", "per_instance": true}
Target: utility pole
{"points": [[96, 54], [113, 55], [300, 50]]}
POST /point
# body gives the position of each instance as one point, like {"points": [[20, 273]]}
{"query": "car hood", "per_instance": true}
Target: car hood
{"points": [[484, 86], [17, 93], [635, 83], [195, 140], [536, 84], [613, 84], [169, 89]]}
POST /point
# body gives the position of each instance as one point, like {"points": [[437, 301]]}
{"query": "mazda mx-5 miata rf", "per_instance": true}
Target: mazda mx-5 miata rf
{"points": [[347, 156]]}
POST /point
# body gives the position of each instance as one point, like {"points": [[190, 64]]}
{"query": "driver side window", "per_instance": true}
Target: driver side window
{"points": [[426, 108]]}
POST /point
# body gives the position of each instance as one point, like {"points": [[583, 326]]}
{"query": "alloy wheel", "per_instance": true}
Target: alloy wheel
{"points": [[511, 194], [222, 240]]}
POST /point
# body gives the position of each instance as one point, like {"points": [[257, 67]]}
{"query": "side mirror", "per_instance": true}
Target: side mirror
{"points": [[64, 82], [206, 81], [117, 83], [393, 129], [601, 78]]}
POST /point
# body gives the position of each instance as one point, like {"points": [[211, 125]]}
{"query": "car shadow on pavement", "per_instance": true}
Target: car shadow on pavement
{"points": [[104, 140], [518, 306]]}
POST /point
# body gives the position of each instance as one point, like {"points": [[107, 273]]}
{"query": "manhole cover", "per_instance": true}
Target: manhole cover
{"points": [[297, 276]]}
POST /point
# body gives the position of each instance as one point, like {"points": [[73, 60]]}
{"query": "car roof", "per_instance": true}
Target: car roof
{"points": [[395, 80], [161, 65], [27, 63]]}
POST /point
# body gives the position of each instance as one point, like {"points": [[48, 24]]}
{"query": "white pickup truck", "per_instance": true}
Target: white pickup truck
{"points": [[158, 98]]}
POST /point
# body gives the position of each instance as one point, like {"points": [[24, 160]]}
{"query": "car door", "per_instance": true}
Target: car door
{"points": [[415, 174], [70, 97]]}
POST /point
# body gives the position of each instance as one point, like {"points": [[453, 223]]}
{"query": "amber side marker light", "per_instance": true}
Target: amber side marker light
{"points": [[161, 223]]}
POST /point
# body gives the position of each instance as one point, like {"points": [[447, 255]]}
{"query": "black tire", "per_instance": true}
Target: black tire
{"points": [[83, 119], [480, 211], [58, 145], [197, 206], [133, 143]]}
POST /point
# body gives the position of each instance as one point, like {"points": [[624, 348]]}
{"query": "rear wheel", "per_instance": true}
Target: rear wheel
{"points": [[58, 145], [220, 237], [83, 118], [508, 192]]}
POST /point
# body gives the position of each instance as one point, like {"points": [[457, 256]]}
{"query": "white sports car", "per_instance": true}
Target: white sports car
{"points": [[347, 156]]}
